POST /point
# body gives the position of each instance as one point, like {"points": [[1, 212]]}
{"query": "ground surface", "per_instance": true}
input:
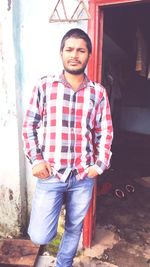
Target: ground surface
{"points": [[122, 237], [129, 221]]}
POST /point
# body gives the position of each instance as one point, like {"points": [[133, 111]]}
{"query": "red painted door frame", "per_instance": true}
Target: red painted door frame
{"points": [[95, 31]]}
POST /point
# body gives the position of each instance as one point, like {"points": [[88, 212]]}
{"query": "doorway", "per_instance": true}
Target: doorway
{"points": [[112, 30], [126, 76]]}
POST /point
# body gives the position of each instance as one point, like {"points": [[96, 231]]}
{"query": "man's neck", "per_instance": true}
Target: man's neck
{"points": [[74, 80]]}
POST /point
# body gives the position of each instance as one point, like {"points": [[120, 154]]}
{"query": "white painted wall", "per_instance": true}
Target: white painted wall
{"points": [[11, 189], [29, 48]]}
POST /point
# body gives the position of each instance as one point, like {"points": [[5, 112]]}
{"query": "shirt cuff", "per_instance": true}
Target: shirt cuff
{"points": [[99, 169]]}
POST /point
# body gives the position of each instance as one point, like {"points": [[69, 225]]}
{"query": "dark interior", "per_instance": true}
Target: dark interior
{"points": [[123, 191], [128, 87]]}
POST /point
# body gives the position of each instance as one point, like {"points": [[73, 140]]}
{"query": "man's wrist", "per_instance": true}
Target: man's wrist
{"points": [[37, 161]]}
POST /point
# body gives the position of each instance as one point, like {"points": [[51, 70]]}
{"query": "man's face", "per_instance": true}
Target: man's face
{"points": [[75, 56]]}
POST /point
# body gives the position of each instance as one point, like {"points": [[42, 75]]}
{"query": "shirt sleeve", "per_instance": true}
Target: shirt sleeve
{"points": [[103, 134], [31, 124]]}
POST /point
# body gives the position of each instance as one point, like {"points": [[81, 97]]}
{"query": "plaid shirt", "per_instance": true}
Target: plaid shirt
{"points": [[76, 126]]}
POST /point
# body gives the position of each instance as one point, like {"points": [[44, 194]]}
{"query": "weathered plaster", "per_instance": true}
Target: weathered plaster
{"points": [[9, 5], [12, 191], [11, 223]]}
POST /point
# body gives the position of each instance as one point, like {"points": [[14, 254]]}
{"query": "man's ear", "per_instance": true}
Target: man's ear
{"points": [[89, 55]]}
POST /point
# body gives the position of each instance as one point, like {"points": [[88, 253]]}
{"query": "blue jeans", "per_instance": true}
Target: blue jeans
{"points": [[46, 207]]}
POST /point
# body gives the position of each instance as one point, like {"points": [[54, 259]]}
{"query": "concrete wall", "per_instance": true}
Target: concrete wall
{"points": [[29, 48], [12, 189]]}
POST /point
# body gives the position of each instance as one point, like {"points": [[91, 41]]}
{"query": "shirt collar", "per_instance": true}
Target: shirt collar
{"points": [[63, 80]]}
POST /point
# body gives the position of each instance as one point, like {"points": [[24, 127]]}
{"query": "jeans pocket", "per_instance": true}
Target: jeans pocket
{"points": [[50, 179], [89, 178]]}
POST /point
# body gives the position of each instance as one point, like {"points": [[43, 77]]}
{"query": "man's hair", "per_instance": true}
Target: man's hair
{"points": [[79, 34]]}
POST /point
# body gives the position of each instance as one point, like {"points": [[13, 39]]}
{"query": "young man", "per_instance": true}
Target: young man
{"points": [[74, 115]]}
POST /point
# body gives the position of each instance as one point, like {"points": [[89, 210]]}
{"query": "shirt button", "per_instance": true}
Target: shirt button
{"points": [[72, 129]]}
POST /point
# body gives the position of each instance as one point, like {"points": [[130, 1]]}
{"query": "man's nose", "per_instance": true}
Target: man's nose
{"points": [[74, 53]]}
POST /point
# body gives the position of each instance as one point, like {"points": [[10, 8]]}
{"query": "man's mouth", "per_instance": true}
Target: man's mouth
{"points": [[73, 62]]}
